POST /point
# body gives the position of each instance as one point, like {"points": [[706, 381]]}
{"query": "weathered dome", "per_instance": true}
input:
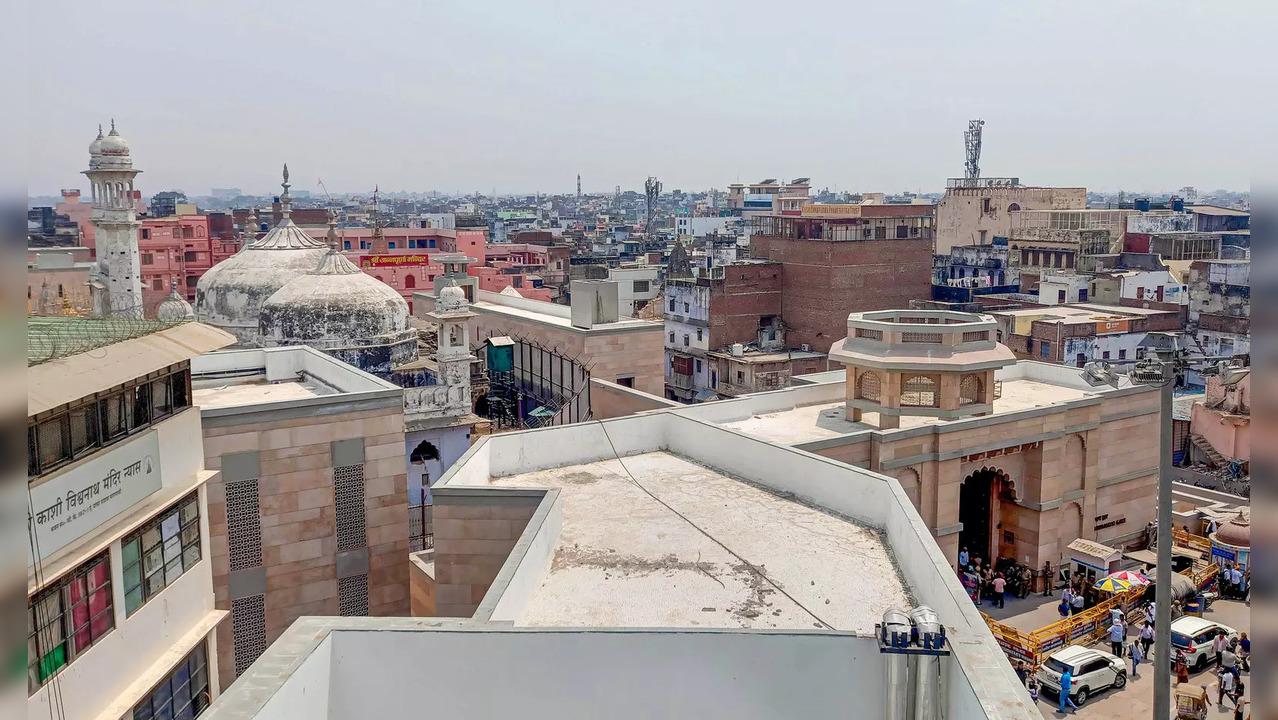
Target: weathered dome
{"points": [[451, 299], [338, 309], [95, 147], [231, 294], [1236, 532], [110, 152], [174, 308]]}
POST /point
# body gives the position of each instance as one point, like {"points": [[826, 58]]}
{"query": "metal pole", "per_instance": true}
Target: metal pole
{"points": [[1163, 572]]}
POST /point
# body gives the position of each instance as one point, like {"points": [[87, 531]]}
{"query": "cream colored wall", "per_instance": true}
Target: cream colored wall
{"points": [[959, 220]]}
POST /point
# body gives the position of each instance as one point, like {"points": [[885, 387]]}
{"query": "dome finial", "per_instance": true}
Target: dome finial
{"points": [[112, 124], [285, 199], [332, 230], [99, 131]]}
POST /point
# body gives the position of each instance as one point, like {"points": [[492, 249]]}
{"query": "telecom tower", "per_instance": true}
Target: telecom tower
{"points": [[972, 141], [651, 190], [578, 191]]}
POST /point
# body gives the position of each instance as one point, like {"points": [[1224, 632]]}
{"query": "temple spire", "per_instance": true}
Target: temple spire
{"points": [[285, 199]]}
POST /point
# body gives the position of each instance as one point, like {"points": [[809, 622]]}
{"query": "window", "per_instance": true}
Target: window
{"points": [[1060, 296], [626, 381], [971, 390], [985, 208], [902, 232], [157, 554], [66, 619], [685, 308], [410, 281], [1082, 294], [919, 391], [346, 244], [412, 244], [698, 334], [348, 504], [1105, 355], [1122, 353], [714, 379], [880, 233], [672, 338], [148, 258], [1045, 350], [391, 245], [740, 377], [190, 256], [432, 243], [188, 232], [182, 695], [1080, 360], [685, 339], [672, 305], [697, 364], [868, 386], [641, 286], [146, 234]]}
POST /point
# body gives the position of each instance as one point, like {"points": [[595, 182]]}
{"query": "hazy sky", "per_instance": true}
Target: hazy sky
{"points": [[522, 96]]}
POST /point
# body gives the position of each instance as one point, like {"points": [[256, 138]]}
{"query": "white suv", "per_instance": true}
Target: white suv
{"points": [[1092, 670], [1194, 636]]}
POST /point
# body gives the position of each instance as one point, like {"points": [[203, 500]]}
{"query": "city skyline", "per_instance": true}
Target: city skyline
{"points": [[470, 98]]}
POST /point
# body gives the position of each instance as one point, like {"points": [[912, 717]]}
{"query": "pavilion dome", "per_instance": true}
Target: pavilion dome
{"points": [[174, 308], [110, 151], [1236, 532]]}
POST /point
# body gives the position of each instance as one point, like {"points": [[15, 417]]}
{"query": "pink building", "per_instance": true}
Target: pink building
{"points": [[80, 213], [181, 247], [1223, 419]]}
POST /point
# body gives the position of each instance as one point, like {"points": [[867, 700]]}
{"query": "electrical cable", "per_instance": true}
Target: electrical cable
{"points": [[753, 568]]}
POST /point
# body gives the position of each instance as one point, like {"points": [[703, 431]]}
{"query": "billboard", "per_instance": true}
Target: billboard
{"points": [[1110, 327], [373, 261]]}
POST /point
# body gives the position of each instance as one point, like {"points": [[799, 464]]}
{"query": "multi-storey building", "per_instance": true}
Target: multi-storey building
{"points": [[181, 248], [120, 609], [1220, 308], [1078, 333], [974, 212], [839, 259]]}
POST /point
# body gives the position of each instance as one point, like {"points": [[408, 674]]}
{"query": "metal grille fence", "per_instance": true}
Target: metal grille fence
{"points": [[421, 531]]}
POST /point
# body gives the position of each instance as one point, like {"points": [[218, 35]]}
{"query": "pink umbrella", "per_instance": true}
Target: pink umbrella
{"points": [[1134, 578]]}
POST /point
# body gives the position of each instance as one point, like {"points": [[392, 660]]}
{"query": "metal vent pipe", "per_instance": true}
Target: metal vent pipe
{"points": [[896, 631], [927, 671]]}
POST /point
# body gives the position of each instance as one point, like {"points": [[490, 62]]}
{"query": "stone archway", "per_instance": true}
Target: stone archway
{"points": [[1074, 464], [1069, 527], [982, 496]]}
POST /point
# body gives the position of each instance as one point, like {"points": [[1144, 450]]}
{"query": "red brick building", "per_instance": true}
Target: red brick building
{"points": [[840, 259]]}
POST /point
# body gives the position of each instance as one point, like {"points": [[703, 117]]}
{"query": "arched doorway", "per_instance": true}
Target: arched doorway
{"points": [[980, 499]]}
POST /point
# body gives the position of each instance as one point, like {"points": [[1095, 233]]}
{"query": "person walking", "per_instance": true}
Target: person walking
{"points": [[1218, 645], [1032, 684], [1244, 651], [1182, 667], [1067, 679], [1236, 579], [1116, 633], [1225, 685], [1229, 661], [999, 585], [1067, 599], [1240, 709], [1146, 636], [1076, 602]]}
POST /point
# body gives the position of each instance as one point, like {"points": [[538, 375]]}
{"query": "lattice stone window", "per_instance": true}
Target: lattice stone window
{"points": [[976, 336], [919, 391], [921, 337], [868, 386], [248, 628], [348, 496], [243, 524], [869, 334], [352, 596], [971, 390]]}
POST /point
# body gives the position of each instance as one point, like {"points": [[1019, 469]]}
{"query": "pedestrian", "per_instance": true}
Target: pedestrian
{"points": [[1067, 679], [1239, 708], [1076, 602], [1047, 579], [963, 558], [1225, 683], [1137, 657], [1182, 667], [1116, 633], [1146, 636], [1116, 615], [1033, 687], [1236, 579], [1229, 661], [999, 585], [1218, 645], [1063, 608], [1244, 651], [1022, 672], [1067, 599]]}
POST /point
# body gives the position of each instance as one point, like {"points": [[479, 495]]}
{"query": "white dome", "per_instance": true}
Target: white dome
{"points": [[110, 152], [174, 309], [451, 298]]}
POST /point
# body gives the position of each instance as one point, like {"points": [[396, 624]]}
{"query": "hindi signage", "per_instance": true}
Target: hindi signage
{"points": [[70, 505], [373, 261]]}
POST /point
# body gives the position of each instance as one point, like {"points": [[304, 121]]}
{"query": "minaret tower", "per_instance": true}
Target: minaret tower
{"points": [[117, 285], [452, 354]]}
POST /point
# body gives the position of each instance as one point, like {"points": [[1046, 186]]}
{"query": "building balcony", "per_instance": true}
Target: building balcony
{"points": [[679, 380]]}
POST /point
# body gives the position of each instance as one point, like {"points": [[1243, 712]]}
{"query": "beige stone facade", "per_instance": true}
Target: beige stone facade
{"points": [[473, 538], [293, 463], [976, 215]]}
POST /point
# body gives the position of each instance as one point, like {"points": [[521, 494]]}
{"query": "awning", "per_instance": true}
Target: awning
{"points": [[1093, 554]]}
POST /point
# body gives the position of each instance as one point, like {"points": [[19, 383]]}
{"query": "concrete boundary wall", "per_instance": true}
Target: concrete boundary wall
{"points": [[610, 400], [526, 567]]}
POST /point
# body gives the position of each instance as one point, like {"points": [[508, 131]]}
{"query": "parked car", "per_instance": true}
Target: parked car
{"points": [[1093, 671], [1194, 636]]}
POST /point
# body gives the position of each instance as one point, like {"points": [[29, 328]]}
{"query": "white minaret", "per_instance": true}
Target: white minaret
{"points": [[452, 354], [117, 285]]}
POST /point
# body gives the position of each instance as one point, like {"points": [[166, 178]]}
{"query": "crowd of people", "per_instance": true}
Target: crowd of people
{"points": [[984, 580]]}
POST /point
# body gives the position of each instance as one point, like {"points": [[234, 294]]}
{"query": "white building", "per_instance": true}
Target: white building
{"points": [[699, 227], [120, 602], [687, 340], [637, 285], [648, 566]]}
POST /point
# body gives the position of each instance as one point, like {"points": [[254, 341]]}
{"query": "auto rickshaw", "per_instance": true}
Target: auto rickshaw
{"points": [[1191, 702]]}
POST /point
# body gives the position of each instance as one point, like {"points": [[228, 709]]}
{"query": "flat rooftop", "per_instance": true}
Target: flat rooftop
{"points": [[223, 393], [1080, 311], [807, 423], [682, 545]]}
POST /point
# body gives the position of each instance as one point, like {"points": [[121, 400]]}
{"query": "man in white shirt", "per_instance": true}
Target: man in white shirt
{"points": [[963, 558], [1218, 645]]}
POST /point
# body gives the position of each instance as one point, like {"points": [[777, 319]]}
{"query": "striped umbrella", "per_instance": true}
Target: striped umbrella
{"points": [[1112, 584], [1130, 576]]}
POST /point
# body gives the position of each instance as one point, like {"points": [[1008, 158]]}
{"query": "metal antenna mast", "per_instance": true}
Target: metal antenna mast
{"points": [[972, 142], [652, 190], [578, 189]]}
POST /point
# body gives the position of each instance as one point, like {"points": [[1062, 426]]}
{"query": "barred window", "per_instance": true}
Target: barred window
{"points": [[68, 618], [919, 391], [976, 336], [183, 695], [159, 552], [869, 334], [921, 337], [352, 596]]}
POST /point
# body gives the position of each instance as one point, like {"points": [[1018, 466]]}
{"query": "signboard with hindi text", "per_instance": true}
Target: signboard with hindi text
{"points": [[74, 503]]}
